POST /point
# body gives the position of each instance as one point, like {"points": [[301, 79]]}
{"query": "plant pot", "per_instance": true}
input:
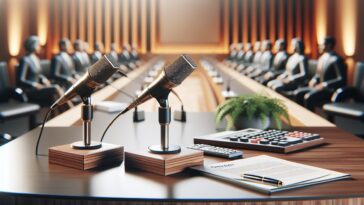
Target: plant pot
{"points": [[243, 122]]}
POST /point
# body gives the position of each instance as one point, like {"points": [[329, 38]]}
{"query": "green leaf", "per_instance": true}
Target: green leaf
{"points": [[252, 106]]}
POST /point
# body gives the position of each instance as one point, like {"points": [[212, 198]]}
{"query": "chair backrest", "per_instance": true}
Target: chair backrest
{"points": [[4, 81], [17, 75], [358, 82], [46, 67], [4, 76], [312, 66]]}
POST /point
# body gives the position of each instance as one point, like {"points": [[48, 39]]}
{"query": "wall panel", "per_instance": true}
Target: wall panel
{"points": [[125, 21], [90, 25], [263, 19], [245, 22], [235, 21], [107, 15], [134, 22], [116, 23], [272, 20], [174, 26], [189, 26], [81, 20]]}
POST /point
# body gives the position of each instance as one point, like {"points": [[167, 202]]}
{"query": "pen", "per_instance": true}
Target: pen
{"points": [[265, 180]]}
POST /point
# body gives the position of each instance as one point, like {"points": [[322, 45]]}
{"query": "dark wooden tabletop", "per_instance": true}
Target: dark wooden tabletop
{"points": [[22, 172]]}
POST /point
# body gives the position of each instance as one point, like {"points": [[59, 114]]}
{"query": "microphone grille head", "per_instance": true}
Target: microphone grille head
{"points": [[103, 69], [180, 69]]}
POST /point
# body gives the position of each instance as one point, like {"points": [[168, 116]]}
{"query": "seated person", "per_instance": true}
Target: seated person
{"points": [[296, 70], [265, 60], [258, 50], [84, 52], [62, 68], [125, 57], [135, 55], [98, 52], [233, 50], [247, 59], [81, 61], [38, 88], [279, 63], [238, 58], [330, 75], [113, 52]]}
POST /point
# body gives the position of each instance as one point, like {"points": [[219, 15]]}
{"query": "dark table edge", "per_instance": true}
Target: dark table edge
{"points": [[279, 198]]}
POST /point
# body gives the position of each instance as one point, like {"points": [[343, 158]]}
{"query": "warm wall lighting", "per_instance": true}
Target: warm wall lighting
{"points": [[42, 21], [348, 26], [321, 19], [350, 70], [14, 26]]}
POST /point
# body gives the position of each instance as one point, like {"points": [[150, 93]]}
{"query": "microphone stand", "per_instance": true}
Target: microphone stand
{"points": [[87, 116], [164, 120], [228, 93]]}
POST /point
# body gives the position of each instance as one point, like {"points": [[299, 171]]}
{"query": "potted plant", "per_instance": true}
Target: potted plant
{"points": [[252, 111]]}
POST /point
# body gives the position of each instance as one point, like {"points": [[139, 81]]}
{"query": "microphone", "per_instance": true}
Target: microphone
{"points": [[171, 76], [96, 75]]}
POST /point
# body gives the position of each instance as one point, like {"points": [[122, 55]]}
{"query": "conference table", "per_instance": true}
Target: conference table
{"points": [[29, 179]]}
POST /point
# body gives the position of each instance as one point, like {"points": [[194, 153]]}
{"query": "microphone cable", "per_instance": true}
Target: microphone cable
{"points": [[120, 90], [123, 112], [112, 122], [178, 97], [119, 114], [47, 116], [41, 129], [49, 111]]}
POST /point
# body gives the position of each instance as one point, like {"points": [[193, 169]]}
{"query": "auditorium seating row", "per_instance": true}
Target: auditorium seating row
{"points": [[39, 82], [312, 83]]}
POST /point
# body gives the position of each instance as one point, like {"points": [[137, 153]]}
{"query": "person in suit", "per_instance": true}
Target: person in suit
{"points": [[81, 61], [85, 53], [233, 51], [247, 58], [258, 50], [62, 66], [125, 57], [296, 70], [279, 62], [98, 53], [135, 55], [38, 88], [266, 60], [236, 57], [330, 75], [113, 52]]}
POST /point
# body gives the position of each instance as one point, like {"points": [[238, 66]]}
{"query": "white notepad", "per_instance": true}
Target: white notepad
{"points": [[289, 174], [110, 106]]}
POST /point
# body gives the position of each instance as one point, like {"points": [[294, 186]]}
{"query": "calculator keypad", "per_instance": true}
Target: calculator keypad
{"points": [[273, 137]]}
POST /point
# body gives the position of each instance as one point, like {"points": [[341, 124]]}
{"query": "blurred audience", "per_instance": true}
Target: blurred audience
{"points": [[38, 88], [63, 69]]}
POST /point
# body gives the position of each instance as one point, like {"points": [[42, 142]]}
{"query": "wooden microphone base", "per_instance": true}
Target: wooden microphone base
{"points": [[162, 164], [84, 159]]}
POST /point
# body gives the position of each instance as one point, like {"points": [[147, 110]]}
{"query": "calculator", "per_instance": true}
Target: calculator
{"points": [[263, 140]]}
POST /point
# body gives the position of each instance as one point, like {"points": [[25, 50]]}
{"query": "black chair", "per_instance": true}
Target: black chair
{"points": [[46, 67], [349, 101], [5, 138], [312, 65], [13, 101]]}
